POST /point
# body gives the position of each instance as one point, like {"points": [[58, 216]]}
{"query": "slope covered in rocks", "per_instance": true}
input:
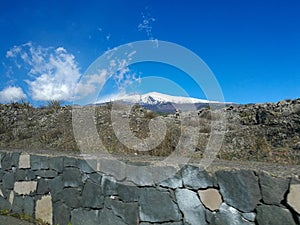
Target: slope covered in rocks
{"points": [[267, 132]]}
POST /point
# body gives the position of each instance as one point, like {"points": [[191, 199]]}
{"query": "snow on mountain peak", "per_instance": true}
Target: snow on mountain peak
{"points": [[154, 98]]}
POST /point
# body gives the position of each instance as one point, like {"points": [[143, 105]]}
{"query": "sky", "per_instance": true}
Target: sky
{"points": [[251, 47]]}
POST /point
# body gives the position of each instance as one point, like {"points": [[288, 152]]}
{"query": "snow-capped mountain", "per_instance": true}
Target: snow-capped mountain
{"points": [[164, 103], [155, 98]]}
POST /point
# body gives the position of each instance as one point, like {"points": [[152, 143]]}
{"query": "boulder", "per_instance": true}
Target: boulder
{"points": [[92, 196], [129, 212], [82, 216], [210, 198], [61, 213], [71, 197], [72, 177], [196, 178], [191, 207], [151, 207], [229, 216], [279, 187], [107, 217], [239, 189], [293, 198], [273, 215]]}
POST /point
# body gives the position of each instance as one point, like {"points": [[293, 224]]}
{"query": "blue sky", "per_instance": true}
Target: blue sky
{"points": [[252, 47]]}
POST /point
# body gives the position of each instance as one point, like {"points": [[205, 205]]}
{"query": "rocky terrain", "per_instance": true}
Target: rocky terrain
{"points": [[268, 132]]}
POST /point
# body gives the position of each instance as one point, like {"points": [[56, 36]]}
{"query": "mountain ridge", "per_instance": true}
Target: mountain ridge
{"points": [[153, 98], [163, 103]]}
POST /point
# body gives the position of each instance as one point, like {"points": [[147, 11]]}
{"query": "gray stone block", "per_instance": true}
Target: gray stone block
{"points": [[171, 223], [128, 192], [87, 166], [129, 212], [140, 175], [152, 209], [209, 215], [21, 175], [71, 197], [43, 187], [46, 173], [6, 162], [172, 182], [191, 207], [28, 205], [30, 175], [4, 191], [167, 176], [273, 189], [18, 205], [4, 203], [88, 217], [15, 159], [95, 177], [273, 215], [113, 167], [8, 181], [196, 178], [109, 186], [228, 215], [56, 186], [70, 162], [107, 217], [239, 189], [39, 162], [92, 196], [1, 174], [249, 216], [61, 213], [56, 163], [72, 177]]}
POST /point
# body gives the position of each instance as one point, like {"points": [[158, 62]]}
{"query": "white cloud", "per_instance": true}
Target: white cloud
{"points": [[11, 94], [146, 25], [124, 77], [53, 72], [111, 97], [13, 52], [90, 82]]}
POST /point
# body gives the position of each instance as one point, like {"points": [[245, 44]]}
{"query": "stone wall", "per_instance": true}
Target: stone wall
{"points": [[63, 189]]}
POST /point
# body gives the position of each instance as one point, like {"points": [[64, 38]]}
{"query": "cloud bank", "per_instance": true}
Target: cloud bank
{"points": [[11, 94], [53, 73]]}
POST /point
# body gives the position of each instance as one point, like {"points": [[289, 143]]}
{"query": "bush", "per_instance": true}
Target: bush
{"points": [[53, 104]]}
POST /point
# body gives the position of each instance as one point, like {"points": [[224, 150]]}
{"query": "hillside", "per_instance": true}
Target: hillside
{"points": [[267, 132]]}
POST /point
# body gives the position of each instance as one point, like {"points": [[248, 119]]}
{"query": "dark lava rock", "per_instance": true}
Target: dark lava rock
{"points": [[274, 215], [239, 189], [152, 209]]}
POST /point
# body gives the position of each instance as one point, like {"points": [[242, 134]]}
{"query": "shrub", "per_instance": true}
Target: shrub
{"points": [[53, 104]]}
